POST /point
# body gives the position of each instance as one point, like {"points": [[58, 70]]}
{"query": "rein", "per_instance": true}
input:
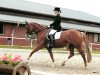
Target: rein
{"points": [[36, 31], [39, 31]]}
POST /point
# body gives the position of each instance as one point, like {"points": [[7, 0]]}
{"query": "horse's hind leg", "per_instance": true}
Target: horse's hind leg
{"points": [[71, 49], [81, 51]]}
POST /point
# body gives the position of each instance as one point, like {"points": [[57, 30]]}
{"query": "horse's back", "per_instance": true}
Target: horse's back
{"points": [[73, 36], [72, 32]]}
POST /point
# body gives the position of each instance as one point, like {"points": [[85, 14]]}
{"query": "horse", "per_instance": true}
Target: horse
{"points": [[69, 38]]}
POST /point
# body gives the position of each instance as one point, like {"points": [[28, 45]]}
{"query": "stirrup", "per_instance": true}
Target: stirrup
{"points": [[51, 45]]}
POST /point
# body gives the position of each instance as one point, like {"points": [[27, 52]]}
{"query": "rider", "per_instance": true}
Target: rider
{"points": [[55, 26]]}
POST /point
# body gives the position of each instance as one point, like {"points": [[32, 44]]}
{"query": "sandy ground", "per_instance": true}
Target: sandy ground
{"points": [[40, 63]]}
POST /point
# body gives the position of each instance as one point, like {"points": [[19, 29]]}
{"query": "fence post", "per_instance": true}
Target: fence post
{"points": [[91, 45], [12, 40], [12, 37], [31, 43]]}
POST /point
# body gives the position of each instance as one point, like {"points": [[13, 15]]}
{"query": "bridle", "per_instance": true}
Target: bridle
{"points": [[32, 33]]}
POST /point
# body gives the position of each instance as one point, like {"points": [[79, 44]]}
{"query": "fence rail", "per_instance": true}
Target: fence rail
{"points": [[31, 43], [12, 42], [92, 44]]}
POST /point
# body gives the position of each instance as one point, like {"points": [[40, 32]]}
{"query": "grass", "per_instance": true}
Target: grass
{"points": [[25, 47], [96, 51], [15, 47]]}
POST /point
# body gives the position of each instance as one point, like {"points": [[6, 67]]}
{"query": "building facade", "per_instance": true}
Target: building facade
{"points": [[16, 12]]}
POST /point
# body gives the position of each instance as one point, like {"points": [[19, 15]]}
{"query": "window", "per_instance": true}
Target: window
{"points": [[96, 37], [99, 37], [1, 28]]}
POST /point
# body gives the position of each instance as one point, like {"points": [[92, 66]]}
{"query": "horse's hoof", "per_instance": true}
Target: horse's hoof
{"points": [[63, 63], [26, 61], [85, 67], [53, 65]]}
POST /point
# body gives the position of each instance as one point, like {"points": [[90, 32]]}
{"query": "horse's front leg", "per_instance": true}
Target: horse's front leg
{"points": [[51, 55], [38, 47]]}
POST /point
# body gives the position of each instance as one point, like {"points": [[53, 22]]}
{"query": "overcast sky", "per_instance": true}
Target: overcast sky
{"points": [[88, 6]]}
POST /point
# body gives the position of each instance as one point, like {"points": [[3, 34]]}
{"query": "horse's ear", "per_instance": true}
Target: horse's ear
{"points": [[26, 23]]}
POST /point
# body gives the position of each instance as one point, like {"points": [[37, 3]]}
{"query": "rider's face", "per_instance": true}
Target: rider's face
{"points": [[56, 12]]}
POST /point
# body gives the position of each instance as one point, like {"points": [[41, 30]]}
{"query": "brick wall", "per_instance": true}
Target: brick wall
{"points": [[90, 37], [18, 32]]}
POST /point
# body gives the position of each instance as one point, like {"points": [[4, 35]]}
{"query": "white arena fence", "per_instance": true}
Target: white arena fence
{"points": [[12, 42], [92, 44], [31, 43]]}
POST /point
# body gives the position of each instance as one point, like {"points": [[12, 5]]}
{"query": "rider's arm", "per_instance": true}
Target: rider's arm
{"points": [[57, 20]]}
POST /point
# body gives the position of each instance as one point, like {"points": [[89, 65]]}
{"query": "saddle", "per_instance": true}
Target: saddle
{"points": [[57, 35], [51, 38]]}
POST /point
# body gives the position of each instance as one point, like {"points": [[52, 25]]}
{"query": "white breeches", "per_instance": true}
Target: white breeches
{"points": [[52, 31]]}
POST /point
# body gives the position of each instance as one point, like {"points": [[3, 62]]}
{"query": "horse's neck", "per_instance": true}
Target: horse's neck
{"points": [[39, 27], [42, 34]]}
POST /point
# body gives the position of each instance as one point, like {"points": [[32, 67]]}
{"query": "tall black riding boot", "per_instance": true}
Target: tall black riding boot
{"points": [[51, 41]]}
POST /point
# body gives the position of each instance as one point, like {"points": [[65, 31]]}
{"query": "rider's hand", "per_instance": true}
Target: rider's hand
{"points": [[51, 27]]}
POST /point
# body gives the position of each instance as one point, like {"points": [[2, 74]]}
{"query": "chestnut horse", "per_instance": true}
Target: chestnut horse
{"points": [[69, 38]]}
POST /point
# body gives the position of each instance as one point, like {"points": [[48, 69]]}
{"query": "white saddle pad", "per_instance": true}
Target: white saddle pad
{"points": [[57, 35]]}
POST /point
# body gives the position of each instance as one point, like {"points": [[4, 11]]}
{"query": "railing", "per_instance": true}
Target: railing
{"points": [[12, 38], [31, 43], [92, 44]]}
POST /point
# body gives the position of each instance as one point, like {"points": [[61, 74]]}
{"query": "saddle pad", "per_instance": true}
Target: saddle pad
{"points": [[57, 35]]}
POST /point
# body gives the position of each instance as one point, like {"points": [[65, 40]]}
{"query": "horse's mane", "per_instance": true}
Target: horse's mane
{"points": [[41, 25]]}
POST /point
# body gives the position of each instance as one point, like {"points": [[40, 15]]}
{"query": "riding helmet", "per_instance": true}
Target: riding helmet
{"points": [[57, 9]]}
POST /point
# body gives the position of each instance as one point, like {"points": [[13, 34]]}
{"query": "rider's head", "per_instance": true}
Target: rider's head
{"points": [[57, 10]]}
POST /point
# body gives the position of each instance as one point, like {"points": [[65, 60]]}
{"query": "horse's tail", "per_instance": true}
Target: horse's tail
{"points": [[88, 52]]}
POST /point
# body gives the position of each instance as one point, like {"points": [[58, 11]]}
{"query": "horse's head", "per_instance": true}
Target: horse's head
{"points": [[33, 28], [30, 30]]}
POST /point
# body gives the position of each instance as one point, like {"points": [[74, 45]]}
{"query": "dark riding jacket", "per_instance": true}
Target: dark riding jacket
{"points": [[56, 24]]}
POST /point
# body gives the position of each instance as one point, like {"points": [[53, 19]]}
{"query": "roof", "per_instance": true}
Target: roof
{"points": [[16, 19], [45, 9]]}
